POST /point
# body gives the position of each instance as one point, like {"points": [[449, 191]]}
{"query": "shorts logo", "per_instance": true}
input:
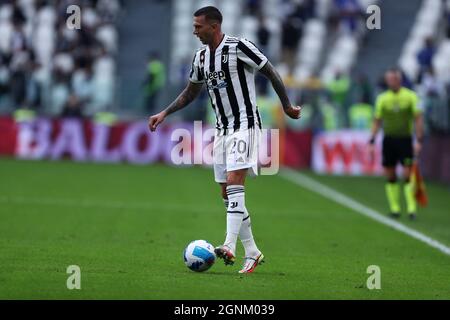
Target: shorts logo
{"points": [[233, 205]]}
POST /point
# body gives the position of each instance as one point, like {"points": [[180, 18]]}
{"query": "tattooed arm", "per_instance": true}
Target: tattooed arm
{"points": [[277, 83], [186, 96]]}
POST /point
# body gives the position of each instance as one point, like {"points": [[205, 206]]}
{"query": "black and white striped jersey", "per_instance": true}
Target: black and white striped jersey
{"points": [[229, 75]]}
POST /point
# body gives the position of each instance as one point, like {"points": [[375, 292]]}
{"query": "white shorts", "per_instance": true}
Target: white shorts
{"points": [[238, 150]]}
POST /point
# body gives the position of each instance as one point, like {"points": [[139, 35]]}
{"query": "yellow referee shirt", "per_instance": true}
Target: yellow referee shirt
{"points": [[398, 111]]}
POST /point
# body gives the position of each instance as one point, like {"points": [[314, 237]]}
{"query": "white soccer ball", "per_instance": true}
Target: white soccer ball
{"points": [[199, 255]]}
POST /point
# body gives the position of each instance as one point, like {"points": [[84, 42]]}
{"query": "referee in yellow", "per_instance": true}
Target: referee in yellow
{"points": [[397, 111]]}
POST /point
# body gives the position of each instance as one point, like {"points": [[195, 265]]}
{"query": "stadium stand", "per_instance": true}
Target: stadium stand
{"points": [[320, 47], [47, 67], [425, 59]]}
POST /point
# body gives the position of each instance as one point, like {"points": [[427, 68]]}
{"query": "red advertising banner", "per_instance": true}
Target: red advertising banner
{"points": [[296, 148], [435, 158], [83, 140], [180, 143], [8, 134], [345, 152]]}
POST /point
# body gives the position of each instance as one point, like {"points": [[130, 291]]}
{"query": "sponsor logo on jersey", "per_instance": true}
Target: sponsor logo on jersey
{"points": [[215, 75], [219, 76]]}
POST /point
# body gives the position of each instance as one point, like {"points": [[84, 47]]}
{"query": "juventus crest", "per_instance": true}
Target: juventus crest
{"points": [[225, 57]]}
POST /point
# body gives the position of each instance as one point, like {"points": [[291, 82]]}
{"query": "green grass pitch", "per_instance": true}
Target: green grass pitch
{"points": [[126, 227]]}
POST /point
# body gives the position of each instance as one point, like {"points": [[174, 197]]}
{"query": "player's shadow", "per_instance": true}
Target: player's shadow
{"points": [[254, 274]]}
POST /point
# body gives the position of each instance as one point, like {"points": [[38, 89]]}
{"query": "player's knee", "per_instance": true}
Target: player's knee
{"points": [[390, 175], [235, 180], [236, 177], [392, 179], [223, 188], [406, 175]]}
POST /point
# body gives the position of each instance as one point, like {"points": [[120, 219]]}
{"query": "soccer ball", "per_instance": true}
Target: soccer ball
{"points": [[199, 255]]}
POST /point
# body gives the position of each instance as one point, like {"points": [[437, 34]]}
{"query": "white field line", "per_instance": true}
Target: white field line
{"points": [[332, 194]]}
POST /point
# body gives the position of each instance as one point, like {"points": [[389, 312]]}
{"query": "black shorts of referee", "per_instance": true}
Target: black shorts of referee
{"points": [[397, 150]]}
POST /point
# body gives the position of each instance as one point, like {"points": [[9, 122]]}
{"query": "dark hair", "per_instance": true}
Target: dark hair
{"points": [[211, 13], [394, 69]]}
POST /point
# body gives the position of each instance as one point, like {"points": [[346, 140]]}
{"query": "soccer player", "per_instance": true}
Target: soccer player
{"points": [[227, 66], [397, 110]]}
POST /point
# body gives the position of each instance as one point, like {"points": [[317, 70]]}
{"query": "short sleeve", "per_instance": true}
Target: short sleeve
{"points": [[379, 108], [250, 54], [195, 74], [415, 104]]}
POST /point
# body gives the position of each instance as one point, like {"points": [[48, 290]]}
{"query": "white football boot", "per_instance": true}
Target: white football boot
{"points": [[251, 263]]}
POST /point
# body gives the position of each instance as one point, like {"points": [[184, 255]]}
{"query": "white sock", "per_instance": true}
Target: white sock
{"points": [[246, 236], [235, 214]]}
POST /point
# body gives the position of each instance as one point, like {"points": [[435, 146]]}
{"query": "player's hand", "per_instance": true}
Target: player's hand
{"points": [[293, 112], [417, 148], [371, 149], [154, 121]]}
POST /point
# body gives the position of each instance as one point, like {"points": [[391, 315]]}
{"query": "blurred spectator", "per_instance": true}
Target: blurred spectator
{"points": [[263, 35], [18, 16], [348, 14], [18, 39], [433, 95], [426, 54], [19, 67], [430, 85], [155, 81], [360, 115], [103, 82], [268, 107], [33, 86], [447, 17], [304, 9], [72, 108], [82, 83], [42, 59], [339, 88], [292, 30], [329, 114], [406, 81], [362, 89], [59, 92], [253, 7], [108, 9], [5, 81]]}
